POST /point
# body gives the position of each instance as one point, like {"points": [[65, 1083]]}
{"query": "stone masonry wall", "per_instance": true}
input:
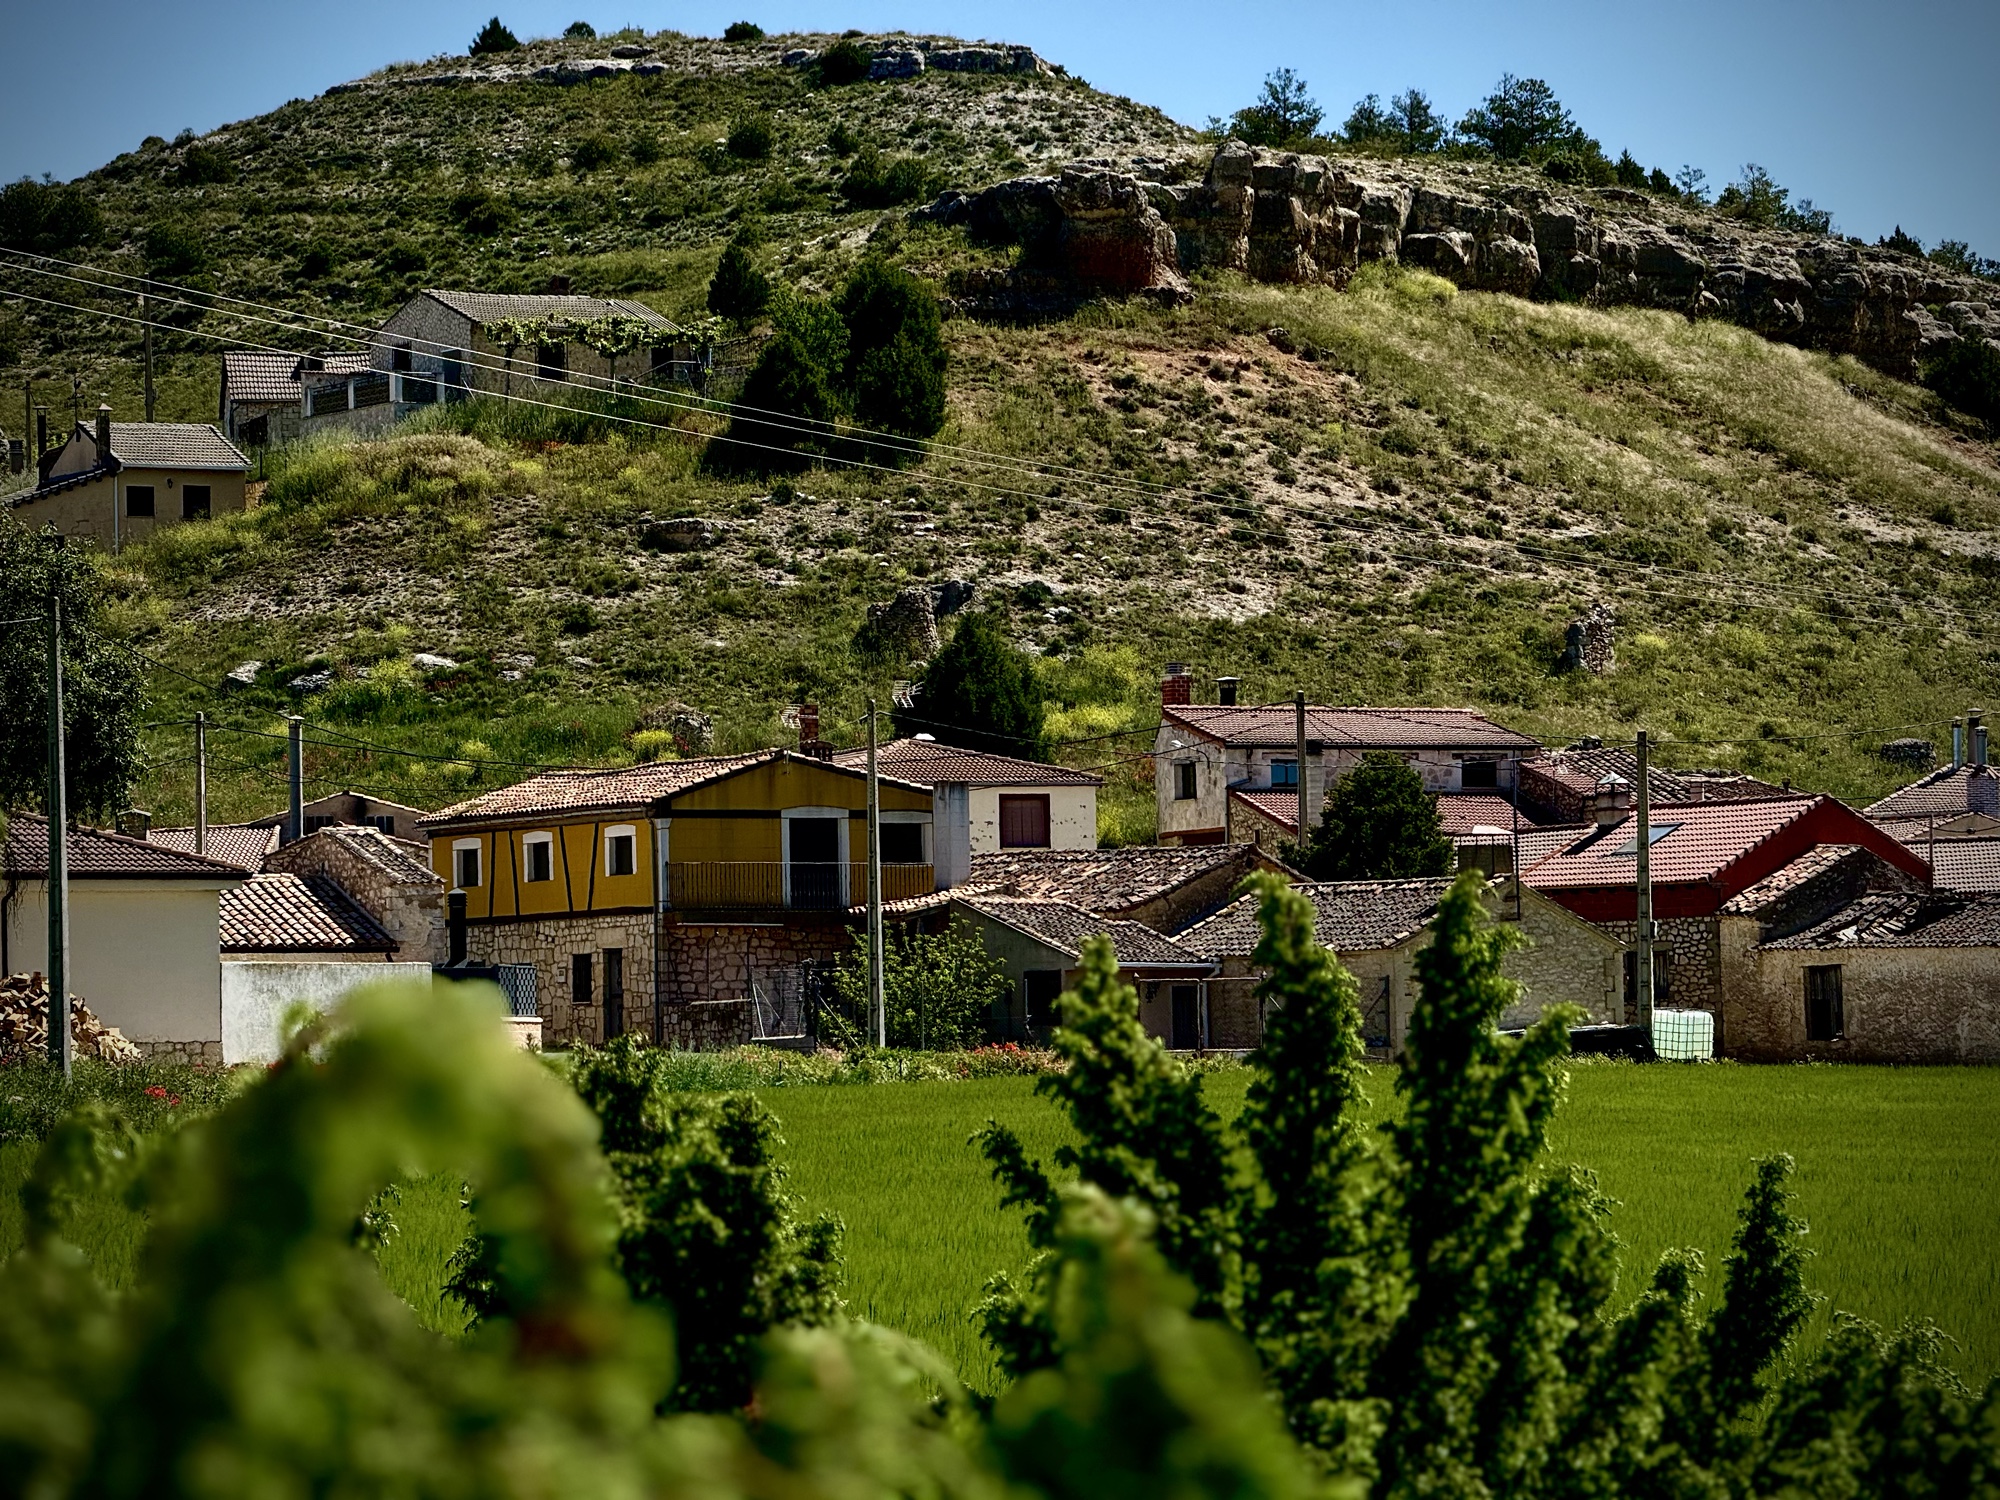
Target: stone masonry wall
{"points": [[708, 970], [409, 903], [1694, 967], [549, 944], [189, 1054], [1901, 1005], [1565, 962]]}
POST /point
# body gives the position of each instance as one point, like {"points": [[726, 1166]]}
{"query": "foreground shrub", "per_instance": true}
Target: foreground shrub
{"points": [[942, 990]]}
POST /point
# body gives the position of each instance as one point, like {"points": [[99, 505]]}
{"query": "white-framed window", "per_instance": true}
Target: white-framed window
{"points": [[465, 865], [538, 857], [1184, 786], [621, 849]]}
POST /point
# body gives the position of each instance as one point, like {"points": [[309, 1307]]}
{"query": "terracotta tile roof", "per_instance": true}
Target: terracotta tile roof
{"points": [[244, 844], [1466, 813], [1919, 920], [1966, 864], [1064, 927], [614, 789], [1945, 792], [281, 913], [97, 855], [1538, 844], [1279, 804], [1108, 880], [931, 763], [1782, 881], [486, 307], [399, 859], [269, 376], [1582, 770], [174, 445], [1694, 842], [1273, 724], [1351, 916]]}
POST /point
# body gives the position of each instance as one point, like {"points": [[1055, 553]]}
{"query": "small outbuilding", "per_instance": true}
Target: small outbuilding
{"points": [[119, 482]]}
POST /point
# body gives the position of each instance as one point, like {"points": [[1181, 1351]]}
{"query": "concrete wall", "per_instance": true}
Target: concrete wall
{"points": [[257, 994], [93, 511], [1072, 815], [1901, 1005], [146, 954]]}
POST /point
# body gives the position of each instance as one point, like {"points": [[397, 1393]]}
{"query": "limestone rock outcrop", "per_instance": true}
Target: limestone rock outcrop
{"points": [[1289, 218]]}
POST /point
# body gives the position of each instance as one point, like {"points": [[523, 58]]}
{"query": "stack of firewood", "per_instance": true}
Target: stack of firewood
{"points": [[24, 1024]]}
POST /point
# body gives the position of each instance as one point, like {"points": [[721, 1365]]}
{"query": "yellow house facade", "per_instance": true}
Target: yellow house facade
{"points": [[652, 898], [114, 483]]}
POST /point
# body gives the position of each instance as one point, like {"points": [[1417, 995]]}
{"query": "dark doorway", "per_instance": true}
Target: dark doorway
{"points": [[579, 979], [1186, 999], [816, 871], [1041, 988], [614, 993]]}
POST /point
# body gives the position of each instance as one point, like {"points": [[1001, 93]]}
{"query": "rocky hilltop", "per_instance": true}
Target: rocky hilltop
{"points": [[1294, 219]]}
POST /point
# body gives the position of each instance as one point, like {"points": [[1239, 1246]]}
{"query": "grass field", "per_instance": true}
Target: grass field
{"points": [[1893, 1167]]}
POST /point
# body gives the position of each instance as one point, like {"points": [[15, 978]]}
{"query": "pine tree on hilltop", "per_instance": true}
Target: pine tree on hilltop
{"points": [[493, 37]]}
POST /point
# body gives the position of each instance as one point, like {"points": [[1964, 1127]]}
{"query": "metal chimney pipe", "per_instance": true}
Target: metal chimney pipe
{"points": [[1957, 743], [455, 926], [1976, 735]]}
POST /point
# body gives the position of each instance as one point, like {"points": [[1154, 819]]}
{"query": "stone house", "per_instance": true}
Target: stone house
{"points": [[1377, 927], [145, 932], [1204, 752], [262, 399], [118, 482], [1164, 887], [1040, 944], [663, 898], [1010, 803], [1561, 786], [1703, 857], [1890, 977], [389, 879]]}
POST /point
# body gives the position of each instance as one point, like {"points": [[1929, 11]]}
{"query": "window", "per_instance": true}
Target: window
{"points": [[1184, 781], [550, 361], [399, 359], [1284, 773], [1477, 775], [1825, 1018], [316, 821], [538, 857], [138, 499], [1630, 847], [579, 979], [902, 843], [614, 993], [465, 864], [621, 850], [1662, 979], [194, 502], [1040, 988], [1024, 822], [386, 822]]}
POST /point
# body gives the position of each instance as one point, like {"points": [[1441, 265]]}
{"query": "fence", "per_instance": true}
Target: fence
{"points": [[800, 885]]}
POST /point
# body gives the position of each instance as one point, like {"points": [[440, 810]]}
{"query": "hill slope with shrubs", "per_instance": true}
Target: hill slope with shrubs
{"points": [[1404, 494]]}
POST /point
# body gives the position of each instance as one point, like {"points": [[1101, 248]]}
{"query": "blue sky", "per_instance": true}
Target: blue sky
{"points": [[1884, 113]]}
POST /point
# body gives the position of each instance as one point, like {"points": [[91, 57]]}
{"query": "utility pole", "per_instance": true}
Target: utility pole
{"points": [[295, 815], [62, 1045], [201, 783], [1643, 963], [877, 990], [1299, 767], [147, 323]]}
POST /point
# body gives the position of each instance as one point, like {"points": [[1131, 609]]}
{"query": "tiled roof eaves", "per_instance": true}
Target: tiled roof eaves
{"points": [[90, 853]]}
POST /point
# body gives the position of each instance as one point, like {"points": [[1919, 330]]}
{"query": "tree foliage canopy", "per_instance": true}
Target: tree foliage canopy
{"points": [[47, 217], [1284, 115], [1380, 823], [1521, 118], [941, 988], [981, 693], [493, 37]]}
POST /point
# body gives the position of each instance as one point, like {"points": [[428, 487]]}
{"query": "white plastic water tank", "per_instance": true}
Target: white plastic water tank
{"points": [[1684, 1035]]}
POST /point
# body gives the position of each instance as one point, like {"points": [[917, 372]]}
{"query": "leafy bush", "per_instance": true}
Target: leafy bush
{"points": [[1967, 376], [846, 61], [940, 989], [981, 693], [493, 37], [1901, 243], [750, 139], [878, 181], [842, 140], [316, 261], [593, 152], [1757, 199], [786, 409], [173, 248], [204, 162], [738, 289], [743, 31], [1957, 255], [899, 387], [47, 217], [576, 31], [479, 211], [1284, 115]]}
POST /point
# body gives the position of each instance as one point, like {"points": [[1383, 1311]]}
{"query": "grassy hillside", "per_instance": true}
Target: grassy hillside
{"points": [[1404, 496]]}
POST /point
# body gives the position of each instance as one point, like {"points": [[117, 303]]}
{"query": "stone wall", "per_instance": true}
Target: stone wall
{"points": [[1694, 966], [1566, 961], [1901, 1005], [549, 943], [391, 885], [189, 1054]]}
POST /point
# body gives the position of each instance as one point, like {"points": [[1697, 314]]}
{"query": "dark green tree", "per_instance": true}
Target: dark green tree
{"points": [[1285, 114], [1905, 244], [750, 139], [1380, 823], [47, 217], [941, 988], [738, 290], [1966, 374], [1521, 118], [1416, 122], [784, 413], [1957, 255], [1368, 123], [895, 349], [981, 693], [103, 689], [1630, 173], [579, 31], [493, 37], [743, 31], [846, 61]]}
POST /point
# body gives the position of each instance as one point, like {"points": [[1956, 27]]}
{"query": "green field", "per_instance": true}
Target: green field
{"points": [[1893, 1168]]}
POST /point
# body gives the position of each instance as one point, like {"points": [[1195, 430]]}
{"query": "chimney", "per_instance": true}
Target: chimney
{"points": [[103, 434], [1225, 691], [1957, 743], [558, 286], [41, 432], [17, 456], [455, 927], [135, 823], [808, 725], [1312, 777], [1978, 743], [312, 364], [1610, 802], [951, 834], [1177, 687]]}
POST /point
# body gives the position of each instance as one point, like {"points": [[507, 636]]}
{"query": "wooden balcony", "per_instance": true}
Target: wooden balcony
{"points": [[755, 885]]}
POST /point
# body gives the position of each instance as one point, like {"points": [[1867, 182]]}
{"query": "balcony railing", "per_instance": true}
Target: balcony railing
{"points": [[801, 885]]}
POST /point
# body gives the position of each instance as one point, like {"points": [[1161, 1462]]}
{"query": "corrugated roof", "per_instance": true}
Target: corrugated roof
{"points": [[932, 763], [1108, 880], [97, 855], [283, 913], [174, 445], [1065, 926], [1694, 842], [1273, 724], [1350, 916], [244, 844], [487, 307], [1946, 791], [1920, 920]]}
